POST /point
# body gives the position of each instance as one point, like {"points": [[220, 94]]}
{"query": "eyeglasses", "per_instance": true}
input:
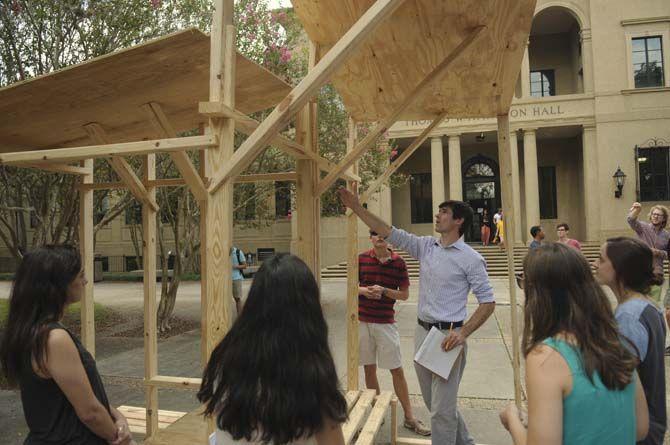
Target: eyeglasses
{"points": [[658, 215]]}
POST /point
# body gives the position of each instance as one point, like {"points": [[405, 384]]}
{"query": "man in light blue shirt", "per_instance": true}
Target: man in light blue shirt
{"points": [[450, 269], [239, 263]]}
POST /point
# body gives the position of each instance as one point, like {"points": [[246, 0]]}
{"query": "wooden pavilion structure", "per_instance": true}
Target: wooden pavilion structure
{"points": [[390, 60]]}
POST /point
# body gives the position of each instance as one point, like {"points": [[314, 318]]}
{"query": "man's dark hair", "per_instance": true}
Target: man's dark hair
{"points": [[535, 230], [460, 209], [564, 225]]}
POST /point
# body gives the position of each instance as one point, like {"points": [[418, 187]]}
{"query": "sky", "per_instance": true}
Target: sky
{"points": [[279, 3]]}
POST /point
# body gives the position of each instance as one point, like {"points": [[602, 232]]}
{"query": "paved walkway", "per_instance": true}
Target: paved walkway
{"points": [[486, 387]]}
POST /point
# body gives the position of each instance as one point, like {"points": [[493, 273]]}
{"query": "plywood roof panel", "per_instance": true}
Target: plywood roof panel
{"points": [[415, 39], [49, 111]]}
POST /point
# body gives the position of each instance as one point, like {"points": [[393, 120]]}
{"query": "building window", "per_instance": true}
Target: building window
{"points": [[134, 214], [282, 199], [648, 62], [132, 263], [654, 173], [542, 83], [421, 198], [547, 184]]}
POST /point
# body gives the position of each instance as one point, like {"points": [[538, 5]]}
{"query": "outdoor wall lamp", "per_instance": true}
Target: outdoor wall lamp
{"points": [[619, 180]]}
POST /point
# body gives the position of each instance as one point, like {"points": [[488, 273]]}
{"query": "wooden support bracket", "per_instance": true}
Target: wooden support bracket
{"points": [[303, 92], [58, 168], [248, 125], [122, 168], [181, 160], [421, 88]]}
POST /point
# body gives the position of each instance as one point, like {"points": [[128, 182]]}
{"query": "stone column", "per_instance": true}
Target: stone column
{"points": [[530, 178], [455, 179], [525, 74], [516, 198], [587, 60], [590, 168], [437, 171]]}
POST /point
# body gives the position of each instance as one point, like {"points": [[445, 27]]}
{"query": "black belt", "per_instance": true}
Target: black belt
{"points": [[441, 325]]}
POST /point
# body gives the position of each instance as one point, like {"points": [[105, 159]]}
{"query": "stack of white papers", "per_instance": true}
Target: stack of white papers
{"points": [[431, 355]]}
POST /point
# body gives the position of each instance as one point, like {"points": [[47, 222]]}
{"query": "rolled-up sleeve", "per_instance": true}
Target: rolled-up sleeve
{"points": [[414, 245], [479, 282], [634, 224]]}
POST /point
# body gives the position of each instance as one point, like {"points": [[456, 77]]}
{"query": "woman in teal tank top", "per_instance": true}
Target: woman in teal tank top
{"points": [[581, 382]]}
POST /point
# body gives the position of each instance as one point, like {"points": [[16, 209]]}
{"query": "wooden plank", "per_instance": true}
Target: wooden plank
{"points": [[357, 415], [308, 87], [374, 422], [181, 160], [58, 168], [164, 381], [59, 155], [507, 185], [411, 42], [394, 420], [423, 86], [176, 182], [149, 284], [138, 412], [128, 176], [352, 397], [400, 160], [173, 69], [413, 441], [248, 125], [86, 252], [267, 177], [190, 429], [352, 278]]}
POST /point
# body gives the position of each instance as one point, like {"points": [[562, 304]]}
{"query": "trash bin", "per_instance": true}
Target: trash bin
{"points": [[97, 268]]}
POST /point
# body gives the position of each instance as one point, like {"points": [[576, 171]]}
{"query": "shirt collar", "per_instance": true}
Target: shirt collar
{"points": [[390, 257], [458, 244]]}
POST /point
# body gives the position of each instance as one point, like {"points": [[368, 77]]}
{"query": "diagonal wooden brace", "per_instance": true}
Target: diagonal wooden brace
{"points": [[421, 88], [248, 125], [122, 168], [400, 160], [181, 160], [308, 87]]}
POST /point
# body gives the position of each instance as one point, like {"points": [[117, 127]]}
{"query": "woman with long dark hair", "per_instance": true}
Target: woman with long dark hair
{"points": [[272, 378], [581, 381], [64, 401], [626, 265]]}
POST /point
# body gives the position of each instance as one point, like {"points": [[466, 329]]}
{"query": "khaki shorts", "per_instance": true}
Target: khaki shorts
{"points": [[379, 344], [237, 289]]}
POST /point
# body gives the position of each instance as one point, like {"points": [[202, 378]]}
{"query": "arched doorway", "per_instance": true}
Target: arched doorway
{"points": [[481, 189]]}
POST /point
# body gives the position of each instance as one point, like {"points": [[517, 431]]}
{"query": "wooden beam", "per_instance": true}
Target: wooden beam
{"points": [[507, 185], [58, 168], [308, 87], [72, 154], [86, 252], [248, 125], [150, 307], [176, 182], [420, 89], [400, 160], [122, 168], [181, 160], [352, 277], [374, 422], [163, 381], [413, 441], [267, 177], [357, 415], [394, 420]]}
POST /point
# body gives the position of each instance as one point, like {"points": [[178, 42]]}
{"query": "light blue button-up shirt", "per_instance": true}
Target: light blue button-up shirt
{"points": [[237, 273], [448, 274]]}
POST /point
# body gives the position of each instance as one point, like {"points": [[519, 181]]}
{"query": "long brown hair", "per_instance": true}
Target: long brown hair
{"points": [[633, 263], [562, 297]]}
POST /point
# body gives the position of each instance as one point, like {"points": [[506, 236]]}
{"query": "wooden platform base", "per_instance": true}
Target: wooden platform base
{"points": [[136, 416]]}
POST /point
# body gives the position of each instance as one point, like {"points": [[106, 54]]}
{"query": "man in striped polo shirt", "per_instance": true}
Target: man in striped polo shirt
{"points": [[383, 279], [450, 269]]}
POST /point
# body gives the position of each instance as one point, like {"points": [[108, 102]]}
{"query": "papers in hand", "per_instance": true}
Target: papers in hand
{"points": [[431, 355]]}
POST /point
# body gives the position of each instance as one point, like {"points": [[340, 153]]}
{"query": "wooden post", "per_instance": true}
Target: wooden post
{"points": [[308, 205], [507, 184], [352, 277], [86, 252], [149, 267], [216, 229]]}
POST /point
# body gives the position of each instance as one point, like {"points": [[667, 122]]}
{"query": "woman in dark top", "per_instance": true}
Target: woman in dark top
{"points": [[486, 227], [63, 399]]}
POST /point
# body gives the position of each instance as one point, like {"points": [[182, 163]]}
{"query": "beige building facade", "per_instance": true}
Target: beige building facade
{"points": [[593, 98]]}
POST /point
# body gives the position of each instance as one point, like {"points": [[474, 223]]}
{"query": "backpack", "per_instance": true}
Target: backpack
{"points": [[239, 259]]}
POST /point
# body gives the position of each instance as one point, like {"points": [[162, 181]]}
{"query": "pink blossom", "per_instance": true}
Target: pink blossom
{"points": [[16, 7], [155, 3], [285, 54], [394, 153]]}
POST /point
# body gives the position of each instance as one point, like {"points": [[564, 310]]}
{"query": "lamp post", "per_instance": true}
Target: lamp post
{"points": [[619, 180]]}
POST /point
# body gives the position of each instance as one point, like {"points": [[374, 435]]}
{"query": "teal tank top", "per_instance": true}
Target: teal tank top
{"points": [[593, 414]]}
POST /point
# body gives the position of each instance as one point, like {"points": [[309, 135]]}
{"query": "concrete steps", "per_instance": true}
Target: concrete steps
{"points": [[496, 261]]}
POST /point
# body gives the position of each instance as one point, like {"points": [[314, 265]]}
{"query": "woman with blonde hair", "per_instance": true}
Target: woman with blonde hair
{"points": [[581, 381]]}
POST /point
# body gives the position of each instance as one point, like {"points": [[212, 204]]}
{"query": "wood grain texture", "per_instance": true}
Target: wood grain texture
{"points": [[86, 252], [352, 277], [50, 111], [409, 44]]}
